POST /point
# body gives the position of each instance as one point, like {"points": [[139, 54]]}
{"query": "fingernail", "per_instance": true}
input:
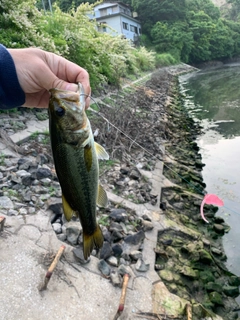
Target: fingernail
{"points": [[71, 87]]}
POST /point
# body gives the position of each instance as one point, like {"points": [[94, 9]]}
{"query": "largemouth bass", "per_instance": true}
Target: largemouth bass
{"points": [[76, 157]]}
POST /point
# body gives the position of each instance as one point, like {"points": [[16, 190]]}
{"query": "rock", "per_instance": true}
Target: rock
{"points": [[24, 163], [124, 170], [118, 215], [132, 183], [213, 286], [57, 227], [231, 291], [146, 217], [55, 205], [141, 266], [23, 211], [31, 210], [234, 281], [46, 182], [62, 237], [56, 217], [135, 254], [112, 261], [106, 250], [104, 268], [135, 238], [72, 233], [189, 272], [166, 275], [6, 203], [147, 225], [42, 173], [12, 212], [114, 226], [135, 174], [42, 159], [218, 228], [116, 279], [216, 251], [78, 254], [27, 180], [122, 269], [22, 173], [204, 256], [106, 234], [216, 298], [116, 236], [117, 249]]}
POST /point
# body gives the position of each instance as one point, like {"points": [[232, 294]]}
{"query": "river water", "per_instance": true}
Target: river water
{"points": [[213, 98]]}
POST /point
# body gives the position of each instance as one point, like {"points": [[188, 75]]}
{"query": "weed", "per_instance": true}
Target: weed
{"points": [[104, 221], [2, 159]]}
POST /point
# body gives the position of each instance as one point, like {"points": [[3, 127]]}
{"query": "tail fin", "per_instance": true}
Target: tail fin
{"points": [[90, 240]]}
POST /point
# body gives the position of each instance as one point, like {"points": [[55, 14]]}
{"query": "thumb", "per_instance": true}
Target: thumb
{"points": [[63, 85]]}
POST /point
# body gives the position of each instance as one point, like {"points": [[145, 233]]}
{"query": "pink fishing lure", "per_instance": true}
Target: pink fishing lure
{"points": [[210, 199]]}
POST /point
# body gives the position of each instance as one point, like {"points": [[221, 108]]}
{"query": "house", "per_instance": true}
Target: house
{"points": [[116, 18]]}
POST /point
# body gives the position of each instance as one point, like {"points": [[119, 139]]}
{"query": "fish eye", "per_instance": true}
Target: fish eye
{"points": [[60, 111]]}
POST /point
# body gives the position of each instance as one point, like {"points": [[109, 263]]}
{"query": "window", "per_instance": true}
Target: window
{"points": [[133, 29], [103, 12], [115, 9], [102, 27], [125, 25]]}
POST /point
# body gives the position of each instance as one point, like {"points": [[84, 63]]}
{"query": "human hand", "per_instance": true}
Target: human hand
{"points": [[38, 71]]}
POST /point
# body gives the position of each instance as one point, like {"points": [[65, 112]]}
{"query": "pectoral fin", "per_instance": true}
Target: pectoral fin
{"points": [[102, 199], [101, 152], [68, 211]]}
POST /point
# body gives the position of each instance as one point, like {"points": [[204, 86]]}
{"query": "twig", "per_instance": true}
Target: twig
{"points": [[189, 311], [2, 221], [123, 296], [51, 268]]}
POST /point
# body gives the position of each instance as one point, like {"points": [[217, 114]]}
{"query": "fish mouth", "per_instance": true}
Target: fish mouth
{"points": [[68, 99]]}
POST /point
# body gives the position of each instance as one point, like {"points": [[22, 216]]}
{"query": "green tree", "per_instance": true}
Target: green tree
{"points": [[174, 38], [222, 41], [202, 28], [152, 11]]}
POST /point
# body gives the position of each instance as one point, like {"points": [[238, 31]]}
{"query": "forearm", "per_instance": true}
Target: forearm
{"points": [[11, 93]]}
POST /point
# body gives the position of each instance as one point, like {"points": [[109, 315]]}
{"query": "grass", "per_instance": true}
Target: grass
{"points": [[2, 159], [104, 221]]}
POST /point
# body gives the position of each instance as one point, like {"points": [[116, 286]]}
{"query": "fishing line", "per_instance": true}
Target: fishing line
{"points": [[152, 155]]}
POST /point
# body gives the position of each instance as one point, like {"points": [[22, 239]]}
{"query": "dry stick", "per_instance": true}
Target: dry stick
{"points": [[189, 311], [52, 267], [123, 296], [2, 221]]}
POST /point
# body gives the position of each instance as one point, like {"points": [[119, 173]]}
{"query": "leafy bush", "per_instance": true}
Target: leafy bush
{"points": [[165, 59]]}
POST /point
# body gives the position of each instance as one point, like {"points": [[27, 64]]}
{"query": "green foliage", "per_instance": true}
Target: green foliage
{"points": [[18, 25], [198, 34], [165, 59]]}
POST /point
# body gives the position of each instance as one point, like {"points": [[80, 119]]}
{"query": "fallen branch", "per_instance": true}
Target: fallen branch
{"points": [[123, 296], [189, 311], [51, 268]]}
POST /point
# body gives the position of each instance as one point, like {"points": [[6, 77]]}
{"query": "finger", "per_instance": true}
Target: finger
{"points": [[67, 71]]}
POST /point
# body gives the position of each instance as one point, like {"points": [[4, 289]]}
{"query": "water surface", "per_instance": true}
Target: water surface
{"points": [[213, 98]]}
